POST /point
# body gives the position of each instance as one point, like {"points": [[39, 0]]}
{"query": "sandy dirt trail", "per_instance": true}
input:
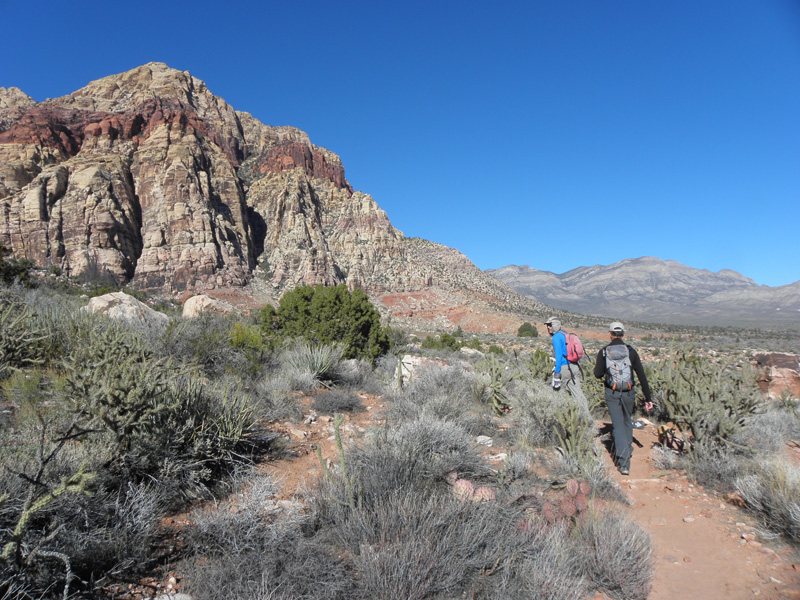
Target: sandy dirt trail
{"points": [[706, 546]]}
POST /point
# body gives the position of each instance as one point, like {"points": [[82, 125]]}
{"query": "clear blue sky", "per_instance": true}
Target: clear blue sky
{"points": [[504, 129]]}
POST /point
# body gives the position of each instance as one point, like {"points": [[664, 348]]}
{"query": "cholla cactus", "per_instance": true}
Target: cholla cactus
{"points": [[711, 401], [21, 344], [77, 483]]}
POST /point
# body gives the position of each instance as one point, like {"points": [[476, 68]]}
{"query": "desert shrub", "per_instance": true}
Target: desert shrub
{"points": [[772, 491], [13, 270], [357, 374], [527, 330], [416, 456], [274, 397], [116, 536], [412, 546], [207, 341], [536, 409], [330, 315], [616, 555], [333, 401], [445, 341], [715, 466], [440, 406], [543, 565], [41, 472], [768, 430], [452, 380], [562, 467], [255, 550], [312, 362], [664, 459], [445, 393]]}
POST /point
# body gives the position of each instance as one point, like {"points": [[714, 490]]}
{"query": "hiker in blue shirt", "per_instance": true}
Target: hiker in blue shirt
{"points": [[566, 372]]}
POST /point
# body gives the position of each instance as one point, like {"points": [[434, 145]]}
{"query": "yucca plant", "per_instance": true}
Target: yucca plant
{"points": [[318, 360]]}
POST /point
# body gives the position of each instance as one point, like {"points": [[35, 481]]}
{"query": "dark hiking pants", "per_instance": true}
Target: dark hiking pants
{"points": [[620, 407]]}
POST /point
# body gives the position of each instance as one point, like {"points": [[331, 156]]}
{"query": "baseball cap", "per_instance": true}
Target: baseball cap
{"points": [[550, 320], [616, 327]]}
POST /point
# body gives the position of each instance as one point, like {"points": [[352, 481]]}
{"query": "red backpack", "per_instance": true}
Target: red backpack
{"points": [[574, 347]]}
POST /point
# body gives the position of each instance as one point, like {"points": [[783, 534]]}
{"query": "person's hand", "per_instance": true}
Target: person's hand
{"points": [[556, 380], [648, 406]]}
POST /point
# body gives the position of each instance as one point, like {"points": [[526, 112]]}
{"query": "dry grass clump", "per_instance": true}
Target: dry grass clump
{"points": [[416, 546], [253, 549], [337, 400], [536, 411], [768, 430], [416, 456], [615, 554], [543, 565], [448, 394], [773, 492]]}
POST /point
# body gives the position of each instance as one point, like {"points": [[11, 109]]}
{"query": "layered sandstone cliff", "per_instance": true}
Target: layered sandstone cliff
{"points": [[148, 178]]}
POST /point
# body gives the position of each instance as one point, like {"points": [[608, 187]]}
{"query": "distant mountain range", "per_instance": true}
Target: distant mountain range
{"points": [[654, 290]]}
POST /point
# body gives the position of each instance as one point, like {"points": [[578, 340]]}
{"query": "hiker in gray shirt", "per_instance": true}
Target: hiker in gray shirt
{"points": [[617, 363]]}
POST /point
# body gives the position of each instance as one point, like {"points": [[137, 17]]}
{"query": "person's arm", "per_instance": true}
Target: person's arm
{"points": [[600, 365], [560, 350], [638, 368]]}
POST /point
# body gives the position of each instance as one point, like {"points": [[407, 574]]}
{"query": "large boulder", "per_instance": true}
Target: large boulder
{"points": [[124, 307], [196, 305], [779, 374]]}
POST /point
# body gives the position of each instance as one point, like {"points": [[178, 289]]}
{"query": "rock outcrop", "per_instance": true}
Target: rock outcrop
{"points": [[197, 305], [779, 374], [150, 180]]}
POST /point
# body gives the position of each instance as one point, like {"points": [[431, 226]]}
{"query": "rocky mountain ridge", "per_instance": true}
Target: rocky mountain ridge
{"points": [[150, 180], [655, 290]]}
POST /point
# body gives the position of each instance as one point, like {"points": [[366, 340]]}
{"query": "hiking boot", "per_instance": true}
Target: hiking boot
{"points": [[625, 470]]}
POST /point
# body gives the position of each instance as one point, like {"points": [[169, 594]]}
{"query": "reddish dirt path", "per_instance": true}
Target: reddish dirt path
{"points": [[705, 546]]}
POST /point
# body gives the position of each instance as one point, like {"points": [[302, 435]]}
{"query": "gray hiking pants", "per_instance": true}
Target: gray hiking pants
{"points": [[571, 379], [620, 407]]}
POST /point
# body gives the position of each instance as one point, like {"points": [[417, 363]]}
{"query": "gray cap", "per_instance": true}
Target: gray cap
{"points": [[554, 322], [616, 327]]}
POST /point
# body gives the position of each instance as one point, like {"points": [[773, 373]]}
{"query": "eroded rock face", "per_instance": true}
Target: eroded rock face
{"points": [[137, 176], [149, 179]]}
